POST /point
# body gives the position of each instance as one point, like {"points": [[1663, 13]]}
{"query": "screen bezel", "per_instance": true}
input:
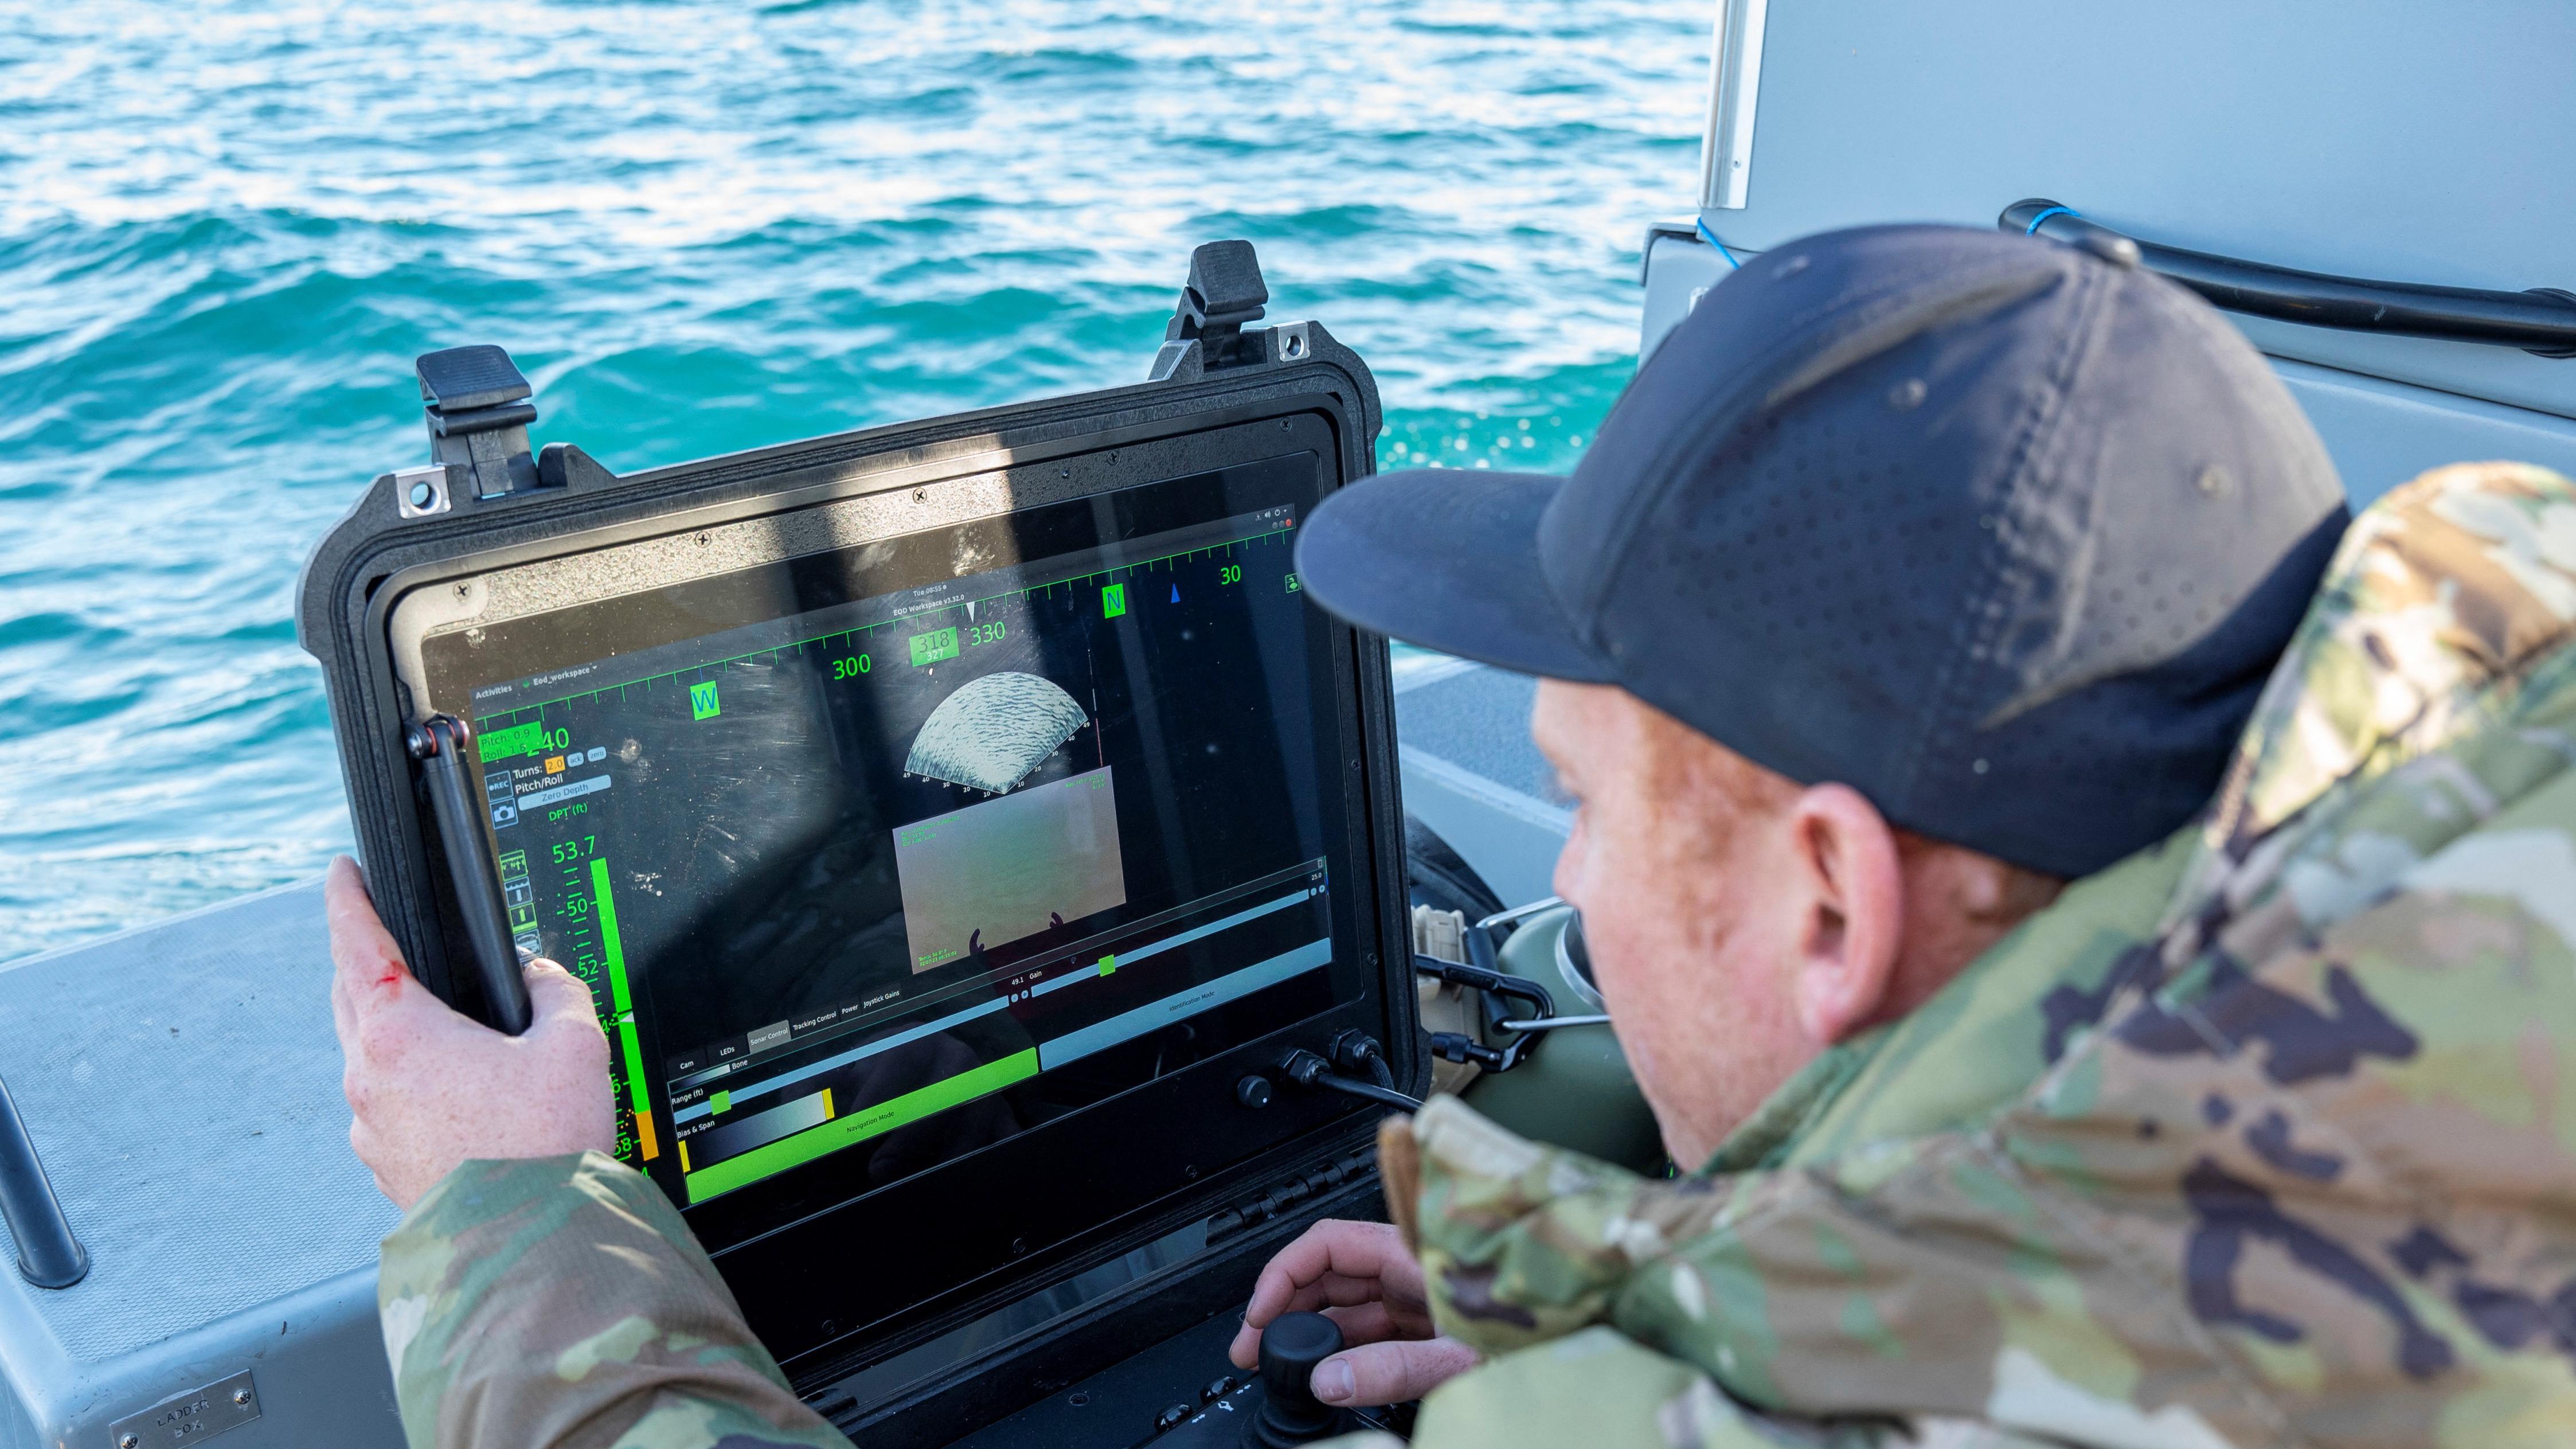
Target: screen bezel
{"points": [[1169, 1138], [702, 591]]}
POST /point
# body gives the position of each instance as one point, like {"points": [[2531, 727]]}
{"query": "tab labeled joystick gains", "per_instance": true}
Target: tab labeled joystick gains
{"points": [[1290, 1413]]}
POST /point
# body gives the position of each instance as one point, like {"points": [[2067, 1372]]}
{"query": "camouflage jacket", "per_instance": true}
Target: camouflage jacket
{"points": [[2288, 1159], [561, 1301], [2254, 1139]]}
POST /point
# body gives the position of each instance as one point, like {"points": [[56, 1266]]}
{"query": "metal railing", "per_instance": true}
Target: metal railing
{"points": [[2541, 321]]}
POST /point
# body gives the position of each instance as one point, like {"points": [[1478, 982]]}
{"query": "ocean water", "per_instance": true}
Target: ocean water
{"points": [[227, 228]]}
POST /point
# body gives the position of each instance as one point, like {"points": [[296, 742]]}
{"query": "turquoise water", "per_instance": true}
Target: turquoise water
{"points": [[225, 230]]}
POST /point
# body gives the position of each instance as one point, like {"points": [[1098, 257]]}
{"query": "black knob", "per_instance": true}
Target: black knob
{"points": [[1289, 1414], [1253, 1091]]}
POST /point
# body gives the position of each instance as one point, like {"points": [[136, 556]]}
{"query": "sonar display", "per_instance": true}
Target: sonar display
{"points": [[993, 731], [931, 856]]}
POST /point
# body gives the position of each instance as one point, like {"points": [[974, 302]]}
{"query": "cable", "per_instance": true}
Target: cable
{"points": [[2033, 228], [1357, 1051], [1478, 978], [1451, 1046], [1305, 1069], [1551, 1023], [1352, 1087], [1711, 238], [1379, 1072]]}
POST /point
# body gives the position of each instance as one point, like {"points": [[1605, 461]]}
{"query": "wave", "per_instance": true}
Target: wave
{"points": [[806, 218]]}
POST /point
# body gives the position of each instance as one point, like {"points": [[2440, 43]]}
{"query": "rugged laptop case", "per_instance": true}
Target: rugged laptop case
{"points": [[485, 501]]}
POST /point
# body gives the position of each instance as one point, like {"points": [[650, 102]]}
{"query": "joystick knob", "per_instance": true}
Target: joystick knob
{"points": [[1290, 1414]]}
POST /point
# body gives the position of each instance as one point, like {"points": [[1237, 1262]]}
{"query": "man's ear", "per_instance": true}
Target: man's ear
{"points": [[1853, 925]]}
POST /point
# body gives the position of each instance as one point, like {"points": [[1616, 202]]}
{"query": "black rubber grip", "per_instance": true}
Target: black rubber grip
{"points": [[439, 745]]}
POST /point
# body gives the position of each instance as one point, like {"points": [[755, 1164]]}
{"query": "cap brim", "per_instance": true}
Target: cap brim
{"points": [[1447, 559]]}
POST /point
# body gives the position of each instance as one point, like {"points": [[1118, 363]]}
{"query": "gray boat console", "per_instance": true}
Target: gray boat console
{"points": [[2372, 142], [184, 1095]]}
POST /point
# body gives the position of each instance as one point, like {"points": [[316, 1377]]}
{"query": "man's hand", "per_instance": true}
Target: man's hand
{"points": [[430, 1088], [1360, 1276]]}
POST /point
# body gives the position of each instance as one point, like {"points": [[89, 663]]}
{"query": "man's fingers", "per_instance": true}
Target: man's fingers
{"points": [[1366, 1323], [1349, 1254], [367, 967], [343, 1011], [1391, 1372], [1334, 1291], [1298, 1263], [1331, 1293], [1352, 1250], [344, 1014], [1357, 1304]]}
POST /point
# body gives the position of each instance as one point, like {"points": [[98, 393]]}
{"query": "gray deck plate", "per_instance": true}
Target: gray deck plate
{"points": [[183, 1085], [1472, 775], [1478, 720]]}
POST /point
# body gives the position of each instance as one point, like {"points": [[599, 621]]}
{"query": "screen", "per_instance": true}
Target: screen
{"points": [[876, 857]]}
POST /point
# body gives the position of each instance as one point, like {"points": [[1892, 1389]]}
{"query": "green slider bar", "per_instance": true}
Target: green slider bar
{"points": [[621, 1000], [861, 1125]]}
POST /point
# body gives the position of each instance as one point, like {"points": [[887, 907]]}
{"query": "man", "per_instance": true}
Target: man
{"points": [[1919, 571], [2034, 458], [2305, 1184]]}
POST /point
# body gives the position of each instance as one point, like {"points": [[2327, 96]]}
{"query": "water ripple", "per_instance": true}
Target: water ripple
{"points": [[699, 227]]}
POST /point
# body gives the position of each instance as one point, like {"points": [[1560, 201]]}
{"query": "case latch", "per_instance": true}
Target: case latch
{"points": [[478, 413], [1225, 291]]}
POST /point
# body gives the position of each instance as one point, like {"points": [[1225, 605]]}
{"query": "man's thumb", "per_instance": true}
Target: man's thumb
{"points": [[1391, 1372], [558, 999]]}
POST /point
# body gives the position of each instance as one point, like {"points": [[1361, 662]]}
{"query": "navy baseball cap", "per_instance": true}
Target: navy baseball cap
{"points": [[2004, 534]]}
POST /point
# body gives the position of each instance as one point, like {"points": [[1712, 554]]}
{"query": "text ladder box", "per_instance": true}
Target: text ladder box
{"points": [[934, 646]]}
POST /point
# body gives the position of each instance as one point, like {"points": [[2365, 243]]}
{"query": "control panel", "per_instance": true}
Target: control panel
{"points": [[1184, 1393]]}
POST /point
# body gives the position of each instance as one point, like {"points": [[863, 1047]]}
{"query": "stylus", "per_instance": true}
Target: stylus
{"points": [[438, 744]]}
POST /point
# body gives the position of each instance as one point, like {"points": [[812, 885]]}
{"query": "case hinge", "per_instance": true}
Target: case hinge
{"points": [[1279, 1196]]}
